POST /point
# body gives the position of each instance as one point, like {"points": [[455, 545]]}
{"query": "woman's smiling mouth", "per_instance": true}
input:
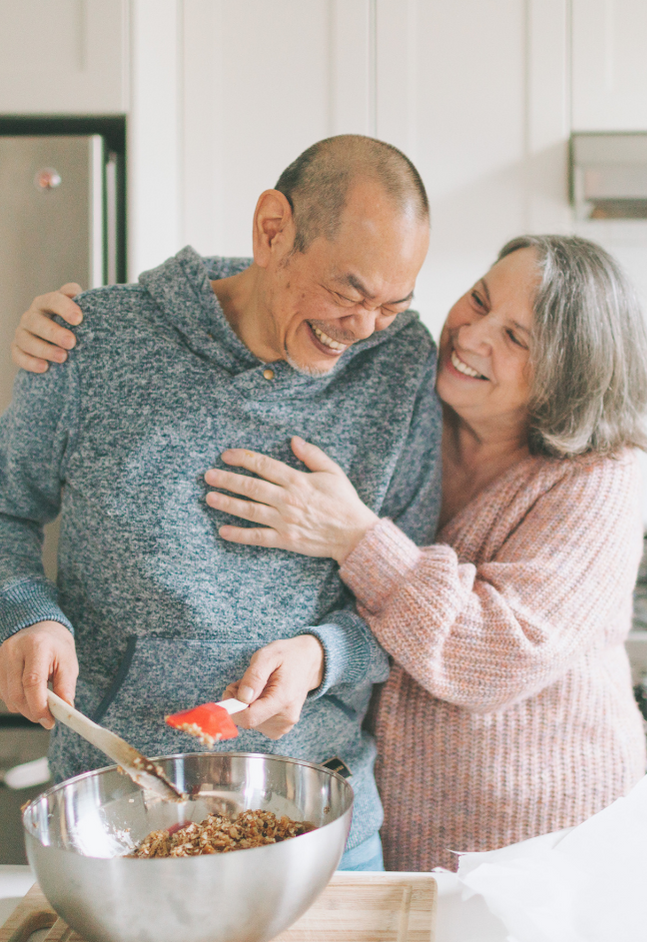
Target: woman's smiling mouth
{"points": [[463, 368]]}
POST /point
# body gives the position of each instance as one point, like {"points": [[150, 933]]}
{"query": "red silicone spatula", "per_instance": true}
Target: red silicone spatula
{"points": [[209, 722]]}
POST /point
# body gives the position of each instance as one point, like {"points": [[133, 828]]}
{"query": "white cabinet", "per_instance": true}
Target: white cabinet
{"points": [[609, 65], [451, 93], [63, 56], [475, 92], [261, 82], [225, 94], [255, 96]]}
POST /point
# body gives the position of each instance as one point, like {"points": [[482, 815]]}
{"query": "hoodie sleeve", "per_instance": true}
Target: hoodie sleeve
{"points": [[36, 434], [352, 653]]}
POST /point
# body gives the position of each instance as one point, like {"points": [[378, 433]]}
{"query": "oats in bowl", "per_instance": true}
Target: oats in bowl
{"points": [[220, 833]]}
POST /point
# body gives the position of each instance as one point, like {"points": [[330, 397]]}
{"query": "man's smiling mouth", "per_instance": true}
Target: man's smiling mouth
{"points": [[323, 338], [463, 368]]}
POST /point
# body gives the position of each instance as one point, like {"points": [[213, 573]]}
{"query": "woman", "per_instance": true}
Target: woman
{"points": [[509, 710]]}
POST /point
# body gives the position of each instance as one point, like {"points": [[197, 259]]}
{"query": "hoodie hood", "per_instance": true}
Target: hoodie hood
{"points": [[181, 288]]}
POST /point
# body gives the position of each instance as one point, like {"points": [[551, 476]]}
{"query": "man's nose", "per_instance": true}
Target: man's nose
{"points": [[361, 323]]}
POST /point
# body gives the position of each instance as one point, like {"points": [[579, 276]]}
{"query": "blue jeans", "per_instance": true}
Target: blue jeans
{"points": [[366, 856]]}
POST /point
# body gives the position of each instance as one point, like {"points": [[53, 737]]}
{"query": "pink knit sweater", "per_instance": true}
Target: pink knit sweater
{"points": [[509, 710]]}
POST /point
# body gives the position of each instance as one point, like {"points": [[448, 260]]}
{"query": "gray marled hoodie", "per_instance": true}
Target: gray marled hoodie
{"points": [[165, 613]]}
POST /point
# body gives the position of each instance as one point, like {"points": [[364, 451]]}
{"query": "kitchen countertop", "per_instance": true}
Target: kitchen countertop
{"points": [[457, 921], [14, 883]]}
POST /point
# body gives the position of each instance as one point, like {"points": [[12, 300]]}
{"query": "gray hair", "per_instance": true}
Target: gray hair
{"points": [[588, 350], [316, 184]]}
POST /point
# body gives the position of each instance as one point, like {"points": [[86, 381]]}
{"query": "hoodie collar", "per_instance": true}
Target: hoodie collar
{"points": [[181, 287]]}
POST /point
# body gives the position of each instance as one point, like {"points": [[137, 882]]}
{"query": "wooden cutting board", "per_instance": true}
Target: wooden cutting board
{"points": [[354, 907]]}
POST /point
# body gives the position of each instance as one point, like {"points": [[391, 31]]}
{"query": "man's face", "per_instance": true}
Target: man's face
{"points": [[338, 293]]}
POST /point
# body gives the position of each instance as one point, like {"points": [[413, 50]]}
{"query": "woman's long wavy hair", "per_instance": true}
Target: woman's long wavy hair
{"points": [[588, 351]]}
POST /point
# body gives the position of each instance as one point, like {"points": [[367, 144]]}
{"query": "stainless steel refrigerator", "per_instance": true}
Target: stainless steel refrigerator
{"points": [[58, 223]]}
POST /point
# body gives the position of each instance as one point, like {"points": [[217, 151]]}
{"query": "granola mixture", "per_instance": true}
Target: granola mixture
{"points": [[194, 730], [220, 833]]}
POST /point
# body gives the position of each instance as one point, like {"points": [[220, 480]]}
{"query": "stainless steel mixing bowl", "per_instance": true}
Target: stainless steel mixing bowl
{"points": [[77, 831]]}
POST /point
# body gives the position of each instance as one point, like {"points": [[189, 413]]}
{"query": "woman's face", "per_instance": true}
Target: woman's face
{"points": [[484, 371]]}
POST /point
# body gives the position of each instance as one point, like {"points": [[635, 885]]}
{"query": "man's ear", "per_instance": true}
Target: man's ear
{"points": [[274, 230]]}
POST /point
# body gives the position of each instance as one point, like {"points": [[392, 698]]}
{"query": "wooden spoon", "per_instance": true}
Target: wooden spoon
{"points": [[141, 770]]}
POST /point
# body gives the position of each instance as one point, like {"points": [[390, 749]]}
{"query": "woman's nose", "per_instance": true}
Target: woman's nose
{"points": [[477, 335]]}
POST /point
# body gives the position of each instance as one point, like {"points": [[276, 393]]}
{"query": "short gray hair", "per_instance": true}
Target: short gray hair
{"points": [[588, 350], [317, 183]]}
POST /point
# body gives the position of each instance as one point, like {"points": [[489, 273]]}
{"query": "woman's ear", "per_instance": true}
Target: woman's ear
{"points": [[274, 229]]}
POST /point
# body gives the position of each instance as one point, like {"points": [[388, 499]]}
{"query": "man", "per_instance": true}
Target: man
{"points": [[312, 338]]}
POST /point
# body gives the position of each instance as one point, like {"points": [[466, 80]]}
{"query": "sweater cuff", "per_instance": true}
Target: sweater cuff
{"points": [[378, 564], [27, 602], [351, 654]]}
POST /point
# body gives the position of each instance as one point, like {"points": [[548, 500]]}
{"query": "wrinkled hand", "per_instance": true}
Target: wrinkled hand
{"points": [[38, 338], [276, 684], [317, 514], [28, 660]]}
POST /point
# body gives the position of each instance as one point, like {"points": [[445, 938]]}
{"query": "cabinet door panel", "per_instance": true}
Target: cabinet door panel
{"points": [[263, 81], [63, 56], [609, 65], [451, 92]]}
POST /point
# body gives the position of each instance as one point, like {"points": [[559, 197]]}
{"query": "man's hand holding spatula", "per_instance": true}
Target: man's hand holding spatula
{"points": [[275, 685]]}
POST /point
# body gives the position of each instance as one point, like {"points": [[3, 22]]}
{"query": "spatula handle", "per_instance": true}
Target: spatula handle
{"points": [[62, 711], [140, 769], [113, 746], [231, 705]]}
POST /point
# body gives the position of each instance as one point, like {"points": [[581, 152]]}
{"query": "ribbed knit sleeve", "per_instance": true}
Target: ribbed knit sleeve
{"points": [[352, 655], [484, 635], [36, 436]]}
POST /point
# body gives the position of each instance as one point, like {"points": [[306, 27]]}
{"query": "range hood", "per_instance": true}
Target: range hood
{"points": [[609, 175]]}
